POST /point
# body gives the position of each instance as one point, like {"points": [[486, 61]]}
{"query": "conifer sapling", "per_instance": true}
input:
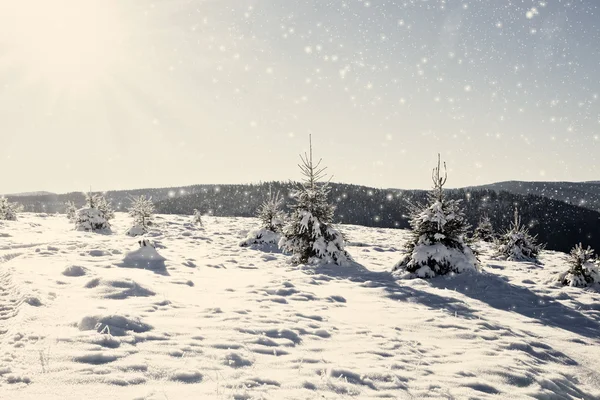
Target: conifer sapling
{"points": [[71, 211], [8, 211], [436, 245], [484, 230], [309, 235], [271, 218], [583, 269], [516, 244], [198, 218], [141, 210]]}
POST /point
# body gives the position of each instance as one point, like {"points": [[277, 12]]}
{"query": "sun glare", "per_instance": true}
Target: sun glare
{"points": [[62, 42]]}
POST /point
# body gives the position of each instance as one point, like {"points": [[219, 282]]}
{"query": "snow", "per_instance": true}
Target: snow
{"points": [[261, 238], [84, 316]]}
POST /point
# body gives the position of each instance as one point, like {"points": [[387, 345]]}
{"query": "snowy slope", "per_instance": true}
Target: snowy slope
{"points": [[218, 321]]}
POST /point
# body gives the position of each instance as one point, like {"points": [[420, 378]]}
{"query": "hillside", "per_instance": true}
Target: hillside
{"points": [[558, 224], [584, 194], [218, 321]]}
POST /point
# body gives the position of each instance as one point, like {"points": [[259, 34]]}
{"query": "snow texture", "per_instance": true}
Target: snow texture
{"points": [[251, 327]]}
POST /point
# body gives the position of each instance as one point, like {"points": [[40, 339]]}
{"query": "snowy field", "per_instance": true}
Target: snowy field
{"points": [[80, 320]]}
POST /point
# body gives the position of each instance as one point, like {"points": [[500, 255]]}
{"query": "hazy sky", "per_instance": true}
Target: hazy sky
{"points": [[130, 93]]}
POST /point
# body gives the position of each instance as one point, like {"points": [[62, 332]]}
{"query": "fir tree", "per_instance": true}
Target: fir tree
{"points": [[95, 215], [436, 245], [583, 270], [71, 211], [8, 211], [271, 218], [270, 214], [516, 244], [309, 235], [104, 207], [484, 230], [98, 201], [198, 217], [141, 210]]}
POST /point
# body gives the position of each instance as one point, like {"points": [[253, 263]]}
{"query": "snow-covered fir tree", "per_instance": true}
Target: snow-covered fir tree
{"points": [[270, 213], [105, 208], [308, 234], [436, 245], [484, 230], [272, 218], [197, 218], [516, 244], [8, 210], [95, 215], [141, 210], [583, 269], [71, 211]]}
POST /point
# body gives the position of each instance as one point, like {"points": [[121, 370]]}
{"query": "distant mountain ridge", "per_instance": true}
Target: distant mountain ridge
{"points": [[29, 194]]}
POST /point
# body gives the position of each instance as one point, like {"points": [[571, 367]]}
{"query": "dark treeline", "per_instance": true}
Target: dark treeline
{"points": [[558, 224], [584, 194]]}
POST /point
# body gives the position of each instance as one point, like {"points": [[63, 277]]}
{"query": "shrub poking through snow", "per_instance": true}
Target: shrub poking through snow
{"points": [[516, 244], [8, 211], [485, 230], [308, 234], [141, 210], [583, 270], [198, 218], [71, 211], [95, 215], [436, 245], [271, 218]]}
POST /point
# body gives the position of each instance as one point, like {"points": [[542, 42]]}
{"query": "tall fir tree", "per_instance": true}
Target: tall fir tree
{"points": [[516, 244], [484, 230], [436, 245], [583, 269], [309, 234]]}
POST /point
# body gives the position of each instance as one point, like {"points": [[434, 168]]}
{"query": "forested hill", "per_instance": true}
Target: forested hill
{"points": [[559, 224], [584, 194]]}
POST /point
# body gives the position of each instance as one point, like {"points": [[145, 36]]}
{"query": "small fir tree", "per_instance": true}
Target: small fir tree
{"points": [[436, 245], [99, 202], [271, 218], [309, 235], [104, 207], [583, 270], [484, 230], [270, 214], [71, 211], [95, 215], [198, 218], [8, 210], [141, 210], [516, 244]]}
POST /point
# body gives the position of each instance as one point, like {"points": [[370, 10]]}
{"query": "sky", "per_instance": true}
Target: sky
{"points": [[118, 94]]}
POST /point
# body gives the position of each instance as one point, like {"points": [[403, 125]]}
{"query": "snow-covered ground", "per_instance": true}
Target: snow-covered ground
{"points": [[81, 319]]}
